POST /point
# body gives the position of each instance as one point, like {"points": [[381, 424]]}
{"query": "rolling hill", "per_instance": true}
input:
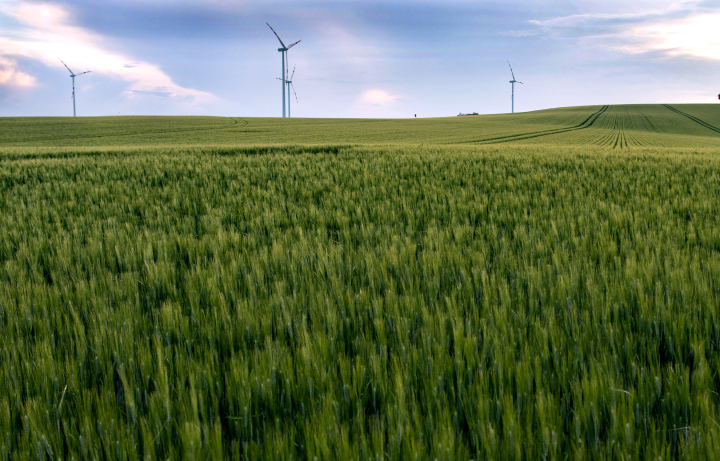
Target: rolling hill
{"points": [[617, 126]]}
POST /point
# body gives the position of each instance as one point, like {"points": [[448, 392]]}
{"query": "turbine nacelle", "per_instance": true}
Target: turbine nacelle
{"points": [[282, 50]]}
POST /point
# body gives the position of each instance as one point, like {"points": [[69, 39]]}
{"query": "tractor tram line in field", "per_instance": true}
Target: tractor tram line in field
{"points": [[615, 137], [693, 118], [626, 126], [611, 130], [587, 123], [619, 139]]}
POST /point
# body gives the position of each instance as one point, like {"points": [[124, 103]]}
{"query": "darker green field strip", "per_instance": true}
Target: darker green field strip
{"points": [[587, 123], [25, 157], [693, 118], [130, 134]]}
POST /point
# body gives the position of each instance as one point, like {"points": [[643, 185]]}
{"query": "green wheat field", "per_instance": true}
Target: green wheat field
{"points": [[532, 286]]}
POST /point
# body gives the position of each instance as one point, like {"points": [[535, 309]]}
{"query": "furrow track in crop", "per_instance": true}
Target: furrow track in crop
{"points": [[693, 118], [587, 123]]}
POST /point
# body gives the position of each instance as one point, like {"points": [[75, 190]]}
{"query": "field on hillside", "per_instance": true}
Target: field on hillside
{"points": [[682, 125], [537, 286]]}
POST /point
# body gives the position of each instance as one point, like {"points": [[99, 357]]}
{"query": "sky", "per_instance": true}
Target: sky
{"points": [[388, 58]]}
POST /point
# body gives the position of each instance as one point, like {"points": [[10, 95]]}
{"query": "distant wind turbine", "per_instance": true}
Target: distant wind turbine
{"points": [[73, 75], [284, 51], [513, 82], [290, 85]]}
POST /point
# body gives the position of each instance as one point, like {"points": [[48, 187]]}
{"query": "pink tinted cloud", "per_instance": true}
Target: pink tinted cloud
{"points": [[45, 33]]}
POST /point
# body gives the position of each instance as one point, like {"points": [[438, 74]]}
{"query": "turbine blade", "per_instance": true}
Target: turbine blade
{"points": [[293, 88], [520, 83], [511, 71], [71, 72], [293, 74], [294, 44], [278, 37], [86, 72]]}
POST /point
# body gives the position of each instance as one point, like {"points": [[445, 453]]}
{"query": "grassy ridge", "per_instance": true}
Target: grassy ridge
{"points": [[344, 302], [618, 126]]}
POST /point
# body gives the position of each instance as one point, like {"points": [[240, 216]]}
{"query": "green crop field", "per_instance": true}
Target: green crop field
{"points": [[680, 125], [542, 285]]}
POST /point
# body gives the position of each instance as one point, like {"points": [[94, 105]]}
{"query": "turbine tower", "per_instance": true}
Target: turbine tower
{"points": [[283, 52], [513, 82], [73, 75]]}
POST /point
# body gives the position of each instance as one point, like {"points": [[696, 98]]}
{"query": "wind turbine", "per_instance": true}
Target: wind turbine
{"points": [[284, 51], [72, 75], [289, 84], [513, 82]]}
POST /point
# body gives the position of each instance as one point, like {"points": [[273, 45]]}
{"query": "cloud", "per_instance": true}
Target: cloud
{"points": [[378, 98], [522, 33], [695, 36], [613, 23], [685, 29], [44, 32], [583, 20], [10, 75]]}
